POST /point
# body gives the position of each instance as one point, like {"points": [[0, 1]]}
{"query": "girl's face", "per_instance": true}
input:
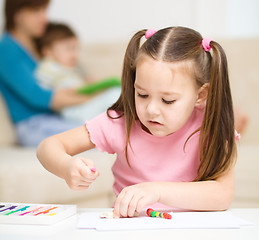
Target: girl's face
{"points": [[31, 21], [165, 96]]}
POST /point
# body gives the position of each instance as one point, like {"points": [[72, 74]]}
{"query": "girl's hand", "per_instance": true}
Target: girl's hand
{"points": [[78, 174], [134, 198]]}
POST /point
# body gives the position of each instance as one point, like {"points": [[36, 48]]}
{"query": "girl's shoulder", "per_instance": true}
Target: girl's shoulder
{"points": [[108, 119], [107, 131], [114, 119]]}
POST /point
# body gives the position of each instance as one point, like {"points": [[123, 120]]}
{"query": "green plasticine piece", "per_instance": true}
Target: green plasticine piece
{"points": [[99, 86]]}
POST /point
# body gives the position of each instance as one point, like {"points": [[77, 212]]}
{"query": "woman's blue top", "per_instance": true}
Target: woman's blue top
{"points": [[18, 85]]}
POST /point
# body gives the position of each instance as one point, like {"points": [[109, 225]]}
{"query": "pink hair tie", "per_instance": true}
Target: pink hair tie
{"points": [[206, 44], [237, 135], [149, 33]]}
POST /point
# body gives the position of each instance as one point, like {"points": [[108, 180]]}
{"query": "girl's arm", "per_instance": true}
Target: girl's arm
{"points": [[204, 195], [55, 154]]}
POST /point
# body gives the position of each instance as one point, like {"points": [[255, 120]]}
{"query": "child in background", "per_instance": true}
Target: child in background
{"points": [[172, 128], [59, 68]]}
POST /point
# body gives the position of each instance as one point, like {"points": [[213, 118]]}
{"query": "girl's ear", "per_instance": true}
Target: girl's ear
{"points": [[202, 95]]}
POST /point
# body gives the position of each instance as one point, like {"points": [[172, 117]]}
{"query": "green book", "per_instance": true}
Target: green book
{"points": [[100, 85]]}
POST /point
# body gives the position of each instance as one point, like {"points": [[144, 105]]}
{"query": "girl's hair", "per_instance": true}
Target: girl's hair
{"points": [[217, 148], [54, 32], [14, 6]]}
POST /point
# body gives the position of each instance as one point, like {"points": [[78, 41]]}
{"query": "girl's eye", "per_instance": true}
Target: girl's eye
{"points": [[168, 102], [142, 96]]}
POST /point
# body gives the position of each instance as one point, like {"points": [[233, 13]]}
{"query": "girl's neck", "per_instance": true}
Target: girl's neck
{"points": [[26, 41]]}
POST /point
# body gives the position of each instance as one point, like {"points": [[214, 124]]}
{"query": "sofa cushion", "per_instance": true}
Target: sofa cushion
{"points": [[23, 179], [247, 177], [243, 59]]}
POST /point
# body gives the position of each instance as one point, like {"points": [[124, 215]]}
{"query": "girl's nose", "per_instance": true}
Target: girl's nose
{"points": [[153, 108]]}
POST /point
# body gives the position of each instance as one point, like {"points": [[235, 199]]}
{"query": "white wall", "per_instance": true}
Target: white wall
{"points": [[1, 14], [108, 20], [243, 18], [113, 20]]}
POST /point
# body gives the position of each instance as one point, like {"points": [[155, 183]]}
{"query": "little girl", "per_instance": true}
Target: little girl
{"points": [[172, 128]]}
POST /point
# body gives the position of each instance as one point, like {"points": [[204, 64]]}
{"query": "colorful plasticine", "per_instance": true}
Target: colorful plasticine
{"points": [[152, 213]]}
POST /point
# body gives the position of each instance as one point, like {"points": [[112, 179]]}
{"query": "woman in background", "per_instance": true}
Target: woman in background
{"points": [[32, 108]]}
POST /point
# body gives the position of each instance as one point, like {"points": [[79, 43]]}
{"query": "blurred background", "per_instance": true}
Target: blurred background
{"points": [[104, 28], [113, 20]]}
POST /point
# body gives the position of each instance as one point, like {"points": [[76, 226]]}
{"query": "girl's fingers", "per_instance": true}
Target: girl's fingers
{"points": [[79, 182], [141, 204], [85, 182], [132, 208], [132, 199], [116, 211], [90, 164], [86, 173], [124, 205], [85, 170], [82, 188]]}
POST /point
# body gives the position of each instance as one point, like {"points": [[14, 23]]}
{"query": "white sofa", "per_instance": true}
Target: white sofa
{"points": [[23, 179]]}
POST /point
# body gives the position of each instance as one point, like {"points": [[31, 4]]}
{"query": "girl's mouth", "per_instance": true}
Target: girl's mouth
{"points": [[154, 123]]}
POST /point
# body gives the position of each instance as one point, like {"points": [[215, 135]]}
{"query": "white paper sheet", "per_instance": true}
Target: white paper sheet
{"points": [[180, 220]]}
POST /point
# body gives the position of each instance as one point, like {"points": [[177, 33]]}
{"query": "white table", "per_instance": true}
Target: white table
{"points": [[66, 229]]}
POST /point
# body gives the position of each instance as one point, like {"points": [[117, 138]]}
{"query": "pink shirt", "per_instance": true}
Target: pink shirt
{"points": [[153, 158]]}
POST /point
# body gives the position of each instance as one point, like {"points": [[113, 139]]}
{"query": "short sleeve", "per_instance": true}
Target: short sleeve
{"points": [[102, 131]]}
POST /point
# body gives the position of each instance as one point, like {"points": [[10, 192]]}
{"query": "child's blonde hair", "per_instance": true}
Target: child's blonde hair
{"points": [[217, 147]]}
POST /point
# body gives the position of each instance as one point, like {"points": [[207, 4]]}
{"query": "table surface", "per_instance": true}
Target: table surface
{"points": [[66, 229]]}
